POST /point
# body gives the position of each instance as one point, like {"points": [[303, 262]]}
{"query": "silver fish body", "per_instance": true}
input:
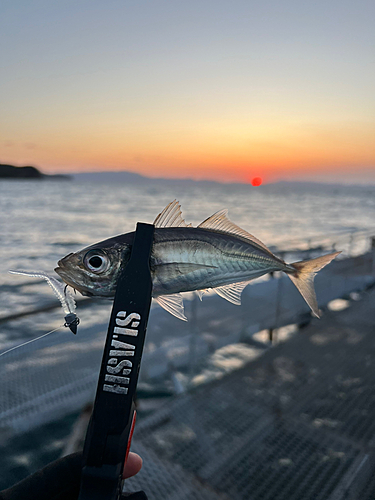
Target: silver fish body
{"points": [[186, 259], [182, 260]]}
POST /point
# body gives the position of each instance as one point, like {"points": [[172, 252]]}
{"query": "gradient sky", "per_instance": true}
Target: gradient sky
{"points": [[224, 90]]}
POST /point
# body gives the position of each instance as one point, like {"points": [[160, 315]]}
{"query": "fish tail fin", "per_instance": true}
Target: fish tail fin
{"points": [[303, 278]]}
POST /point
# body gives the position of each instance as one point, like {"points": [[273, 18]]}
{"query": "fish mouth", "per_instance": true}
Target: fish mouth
{"points": [[67, 279]]}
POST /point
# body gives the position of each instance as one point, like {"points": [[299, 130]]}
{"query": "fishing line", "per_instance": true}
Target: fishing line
{"points": [[32, 340]]}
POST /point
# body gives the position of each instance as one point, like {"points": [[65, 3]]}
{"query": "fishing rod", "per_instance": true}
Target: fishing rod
{"points": [[112, 422]]}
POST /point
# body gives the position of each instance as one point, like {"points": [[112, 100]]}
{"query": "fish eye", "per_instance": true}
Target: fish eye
{"points": [[96, 261]]}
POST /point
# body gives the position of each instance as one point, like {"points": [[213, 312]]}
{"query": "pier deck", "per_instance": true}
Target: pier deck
{"points": [[298, 422]]}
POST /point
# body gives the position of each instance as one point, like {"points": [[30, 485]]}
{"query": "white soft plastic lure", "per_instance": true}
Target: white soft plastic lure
{"points": [[64, 295]]}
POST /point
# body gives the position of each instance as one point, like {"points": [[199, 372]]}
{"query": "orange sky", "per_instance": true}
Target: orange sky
{"points": [[188, 91], [233, 154]]}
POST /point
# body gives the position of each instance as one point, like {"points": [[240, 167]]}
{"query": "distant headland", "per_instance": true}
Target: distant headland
{"points": [[13, 172]]}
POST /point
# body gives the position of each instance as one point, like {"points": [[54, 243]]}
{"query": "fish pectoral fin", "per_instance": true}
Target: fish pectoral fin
{"points": [[232, 292], [171, 216], [221, 222], [173, 304]]}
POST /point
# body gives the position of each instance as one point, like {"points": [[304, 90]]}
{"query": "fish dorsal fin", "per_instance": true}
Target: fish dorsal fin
{"points": [[221, 222], [232, 292], [171, 216], [173, 304]]}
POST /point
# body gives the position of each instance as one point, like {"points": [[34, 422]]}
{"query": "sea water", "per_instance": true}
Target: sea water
{"points": [[42, 221]]}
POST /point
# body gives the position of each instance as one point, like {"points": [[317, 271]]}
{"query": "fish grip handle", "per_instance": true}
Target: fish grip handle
{"points": [[109, 432]]}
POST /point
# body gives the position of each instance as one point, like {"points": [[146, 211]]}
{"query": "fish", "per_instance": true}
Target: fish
{"points": [[216, 255]]}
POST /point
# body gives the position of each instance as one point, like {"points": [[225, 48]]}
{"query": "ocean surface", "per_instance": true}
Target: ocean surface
{"points": [[41, 221]]}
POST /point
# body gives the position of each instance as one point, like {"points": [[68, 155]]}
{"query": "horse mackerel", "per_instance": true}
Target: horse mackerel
{"points": [[215, 255]]}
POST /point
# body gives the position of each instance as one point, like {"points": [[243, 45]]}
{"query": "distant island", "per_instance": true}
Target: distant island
{"points": [[13, 172], [125, 177], [131, 178]]}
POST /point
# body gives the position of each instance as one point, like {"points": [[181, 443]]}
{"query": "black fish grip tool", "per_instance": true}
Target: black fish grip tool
{"points": [[110, 430]]}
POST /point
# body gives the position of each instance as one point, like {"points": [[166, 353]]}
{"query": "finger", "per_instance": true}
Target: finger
{"points": [[133, 465]]}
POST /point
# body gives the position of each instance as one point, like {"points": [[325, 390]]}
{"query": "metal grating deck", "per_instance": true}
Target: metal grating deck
{"points": [[297, 423]]}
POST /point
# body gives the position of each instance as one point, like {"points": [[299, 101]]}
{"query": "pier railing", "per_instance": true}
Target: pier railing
{"points": [[350, 242]]}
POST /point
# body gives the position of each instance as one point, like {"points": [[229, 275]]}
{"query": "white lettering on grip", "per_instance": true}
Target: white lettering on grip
{"points": [[127, 319], [121, 345], [120, 366], [115, 368], [126, 331]]}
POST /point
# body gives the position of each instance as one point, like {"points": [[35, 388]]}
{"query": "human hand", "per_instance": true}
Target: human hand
{"points": [[132, 466], [61, 480]]}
